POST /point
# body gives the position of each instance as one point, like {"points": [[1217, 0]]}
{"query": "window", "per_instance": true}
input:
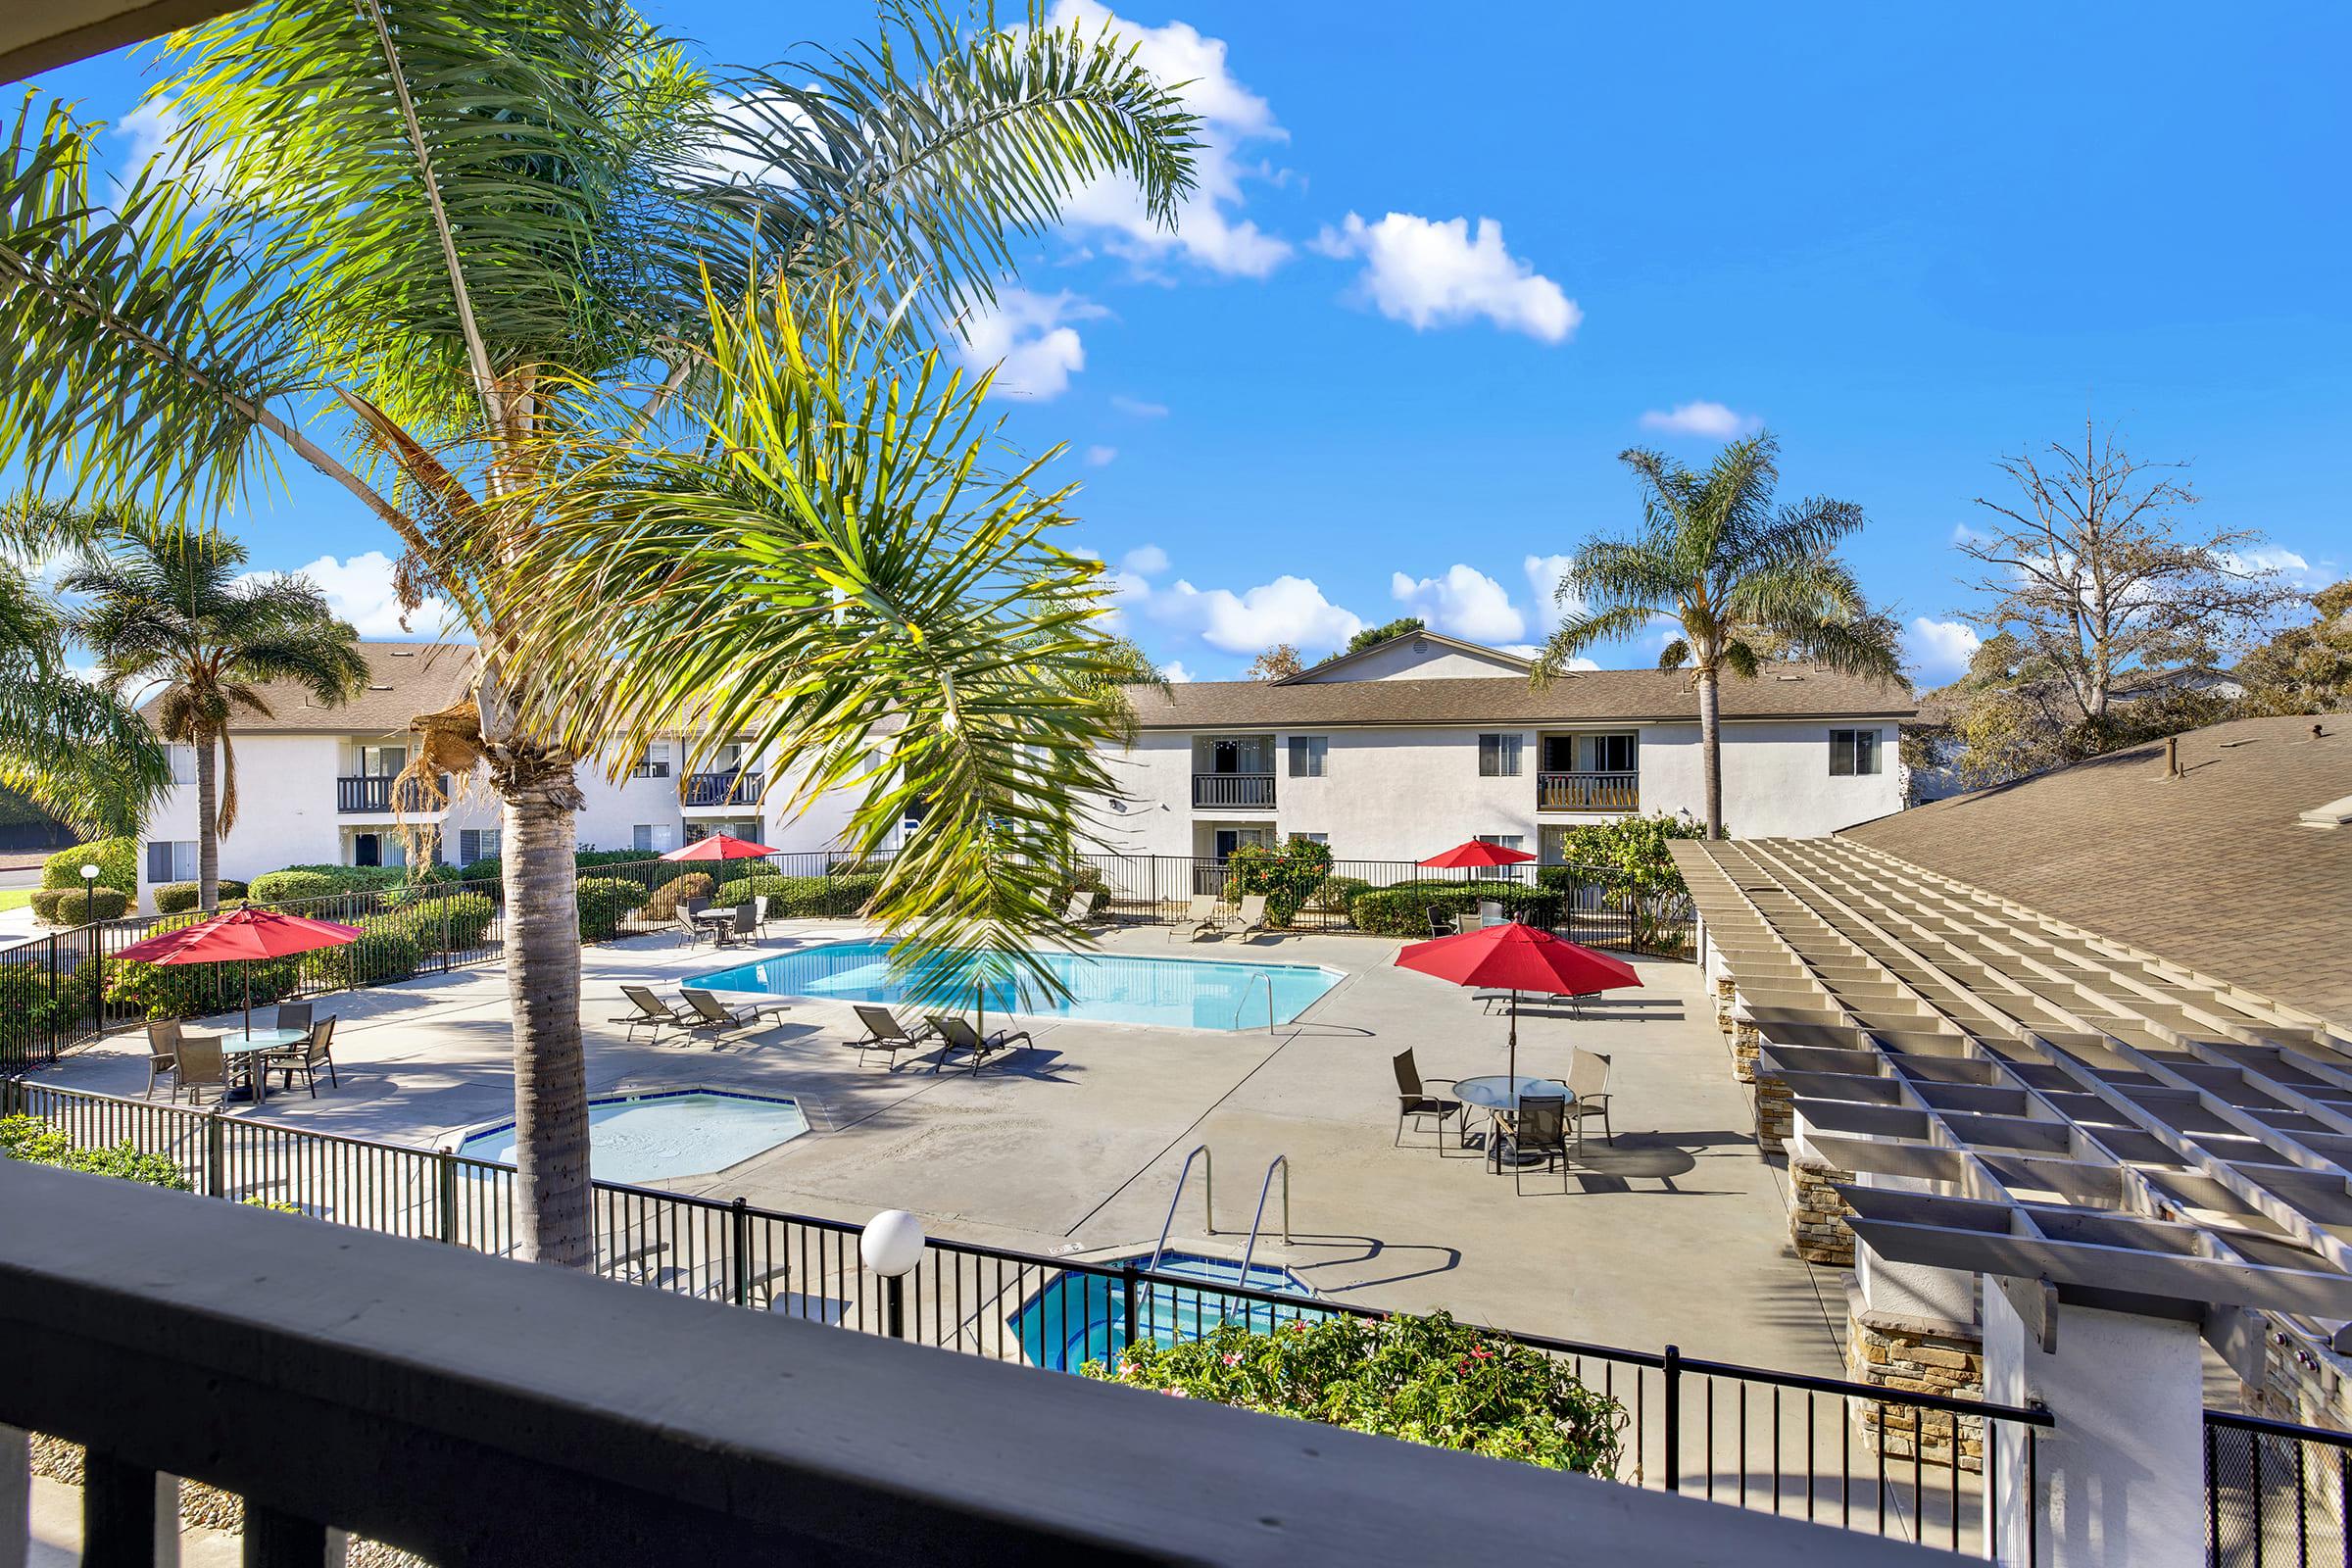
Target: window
{"points": [[1499, 756], [652, 837], [1314, 837], [171, 860], [1307, 756], [477, 843], [1854, 750], [1606, 753], [381, 761], [1508, 840], [183, 763], [654, 763]]}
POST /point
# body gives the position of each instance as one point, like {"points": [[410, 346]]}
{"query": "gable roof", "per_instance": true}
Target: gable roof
{"points": [[404, 680], [2214, 870], [1628, 695], [1339, 662]]}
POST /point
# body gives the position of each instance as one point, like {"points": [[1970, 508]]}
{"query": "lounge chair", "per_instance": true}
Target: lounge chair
{"points": [[729, 1014], [1202, 919], [649, 1011], [1080, 911], [1589, 1082], [1252, 918], [315, 1053], [162, 1056], [1413, 1099], [1539, 1126], [1442, 923], [959, 1035], [884, 1032]]}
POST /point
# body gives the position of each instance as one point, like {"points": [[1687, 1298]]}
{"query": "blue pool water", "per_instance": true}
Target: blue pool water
{"points": [[684, 1132], [1191, 992], [1079, 1318]]}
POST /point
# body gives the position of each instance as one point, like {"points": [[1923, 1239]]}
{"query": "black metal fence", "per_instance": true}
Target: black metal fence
{"points": [[2275, 1493], [1783, 1443]]}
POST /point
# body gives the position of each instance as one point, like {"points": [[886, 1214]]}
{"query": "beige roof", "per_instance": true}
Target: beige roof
{"points": [[2211, 870], [404, 680], [1797, 690]]}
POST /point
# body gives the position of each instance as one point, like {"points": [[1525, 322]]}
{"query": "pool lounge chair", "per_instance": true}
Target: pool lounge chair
{"points": [[1252, 918], [884, 1032], [1202, 920], [959, 1035], [1080, 911], [729, 1014], [649, 1011]]}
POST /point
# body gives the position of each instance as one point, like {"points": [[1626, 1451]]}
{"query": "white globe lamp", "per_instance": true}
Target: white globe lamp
{"points": [[892, 1244]]}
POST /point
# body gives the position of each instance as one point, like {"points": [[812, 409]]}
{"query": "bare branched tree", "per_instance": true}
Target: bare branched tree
{"points": [[2096, 569]]}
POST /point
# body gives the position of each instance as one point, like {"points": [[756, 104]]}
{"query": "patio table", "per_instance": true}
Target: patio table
{"points": [[1500, 1091], [251, 1044]]}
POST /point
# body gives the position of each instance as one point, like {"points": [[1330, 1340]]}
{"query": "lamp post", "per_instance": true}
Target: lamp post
{"points": [[89, 893], [892, 1244], [89, 924]]}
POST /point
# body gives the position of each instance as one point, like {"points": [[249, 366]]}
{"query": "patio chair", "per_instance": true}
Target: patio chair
{"points": [[694, 931], [162, 1056], [884, 1032], [729, 1014], [1443, 922], [649, 1011], [1539, 1126], [315, 1053], [1203, 919], [760, 902], [1414, 1099], [747, 921], [204, 1066], [293, 1015], [1589, 1082], [1489, 912], [1252, 916], [959, 1035]]}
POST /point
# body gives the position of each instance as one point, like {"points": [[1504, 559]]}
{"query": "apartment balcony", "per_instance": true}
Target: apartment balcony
{"points": [[470, 1409], [713, 791], [1228, 792], [375, 795], [1587, 792]]}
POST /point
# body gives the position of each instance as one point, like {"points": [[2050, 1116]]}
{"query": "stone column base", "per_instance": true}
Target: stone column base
{"points": [[1913, 1356], [1817, 1218]]}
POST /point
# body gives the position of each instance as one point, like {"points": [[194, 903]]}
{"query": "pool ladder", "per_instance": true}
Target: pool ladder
{"points": [[1208, 1204], [1259, 976]]}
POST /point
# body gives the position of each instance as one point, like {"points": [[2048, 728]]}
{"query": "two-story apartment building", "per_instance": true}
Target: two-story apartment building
{"points": [[1419, 743]]}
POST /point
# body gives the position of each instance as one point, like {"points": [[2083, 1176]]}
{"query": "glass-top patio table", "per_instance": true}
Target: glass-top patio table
{"points": [[1500, 1092], [253, 1042]]}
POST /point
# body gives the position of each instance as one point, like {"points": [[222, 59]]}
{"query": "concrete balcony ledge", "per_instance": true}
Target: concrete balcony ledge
{"points": [[482, 1411]]}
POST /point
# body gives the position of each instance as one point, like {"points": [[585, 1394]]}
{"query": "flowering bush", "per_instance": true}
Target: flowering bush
{"points": [[1634, 860], [1287, 876], [1427, 1380]]}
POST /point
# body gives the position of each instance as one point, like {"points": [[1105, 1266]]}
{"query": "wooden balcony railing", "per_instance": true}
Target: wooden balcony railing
{"points": [[1233, 789], [722, 789], [374, 792], [1587, 792]]}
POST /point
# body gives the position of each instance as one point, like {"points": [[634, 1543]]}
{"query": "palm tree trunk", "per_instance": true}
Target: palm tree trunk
{"points": [[553, 1217], [1710, 747], [208, 823]]}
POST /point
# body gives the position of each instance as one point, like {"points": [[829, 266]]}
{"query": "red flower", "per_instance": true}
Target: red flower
{"points": [[1482, 1352]]}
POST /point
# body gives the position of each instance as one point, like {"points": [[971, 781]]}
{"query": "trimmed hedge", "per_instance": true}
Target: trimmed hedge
{"points": [[663, 905], [605, 904], [799, 896], [73, 906], [387, 950], [1333, 893], [118, 863], [454, 923], [179, 898], [1401, 910]]}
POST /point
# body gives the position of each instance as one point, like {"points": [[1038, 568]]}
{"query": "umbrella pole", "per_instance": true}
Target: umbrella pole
{"points": [[249, 999], [1515, 1049]]}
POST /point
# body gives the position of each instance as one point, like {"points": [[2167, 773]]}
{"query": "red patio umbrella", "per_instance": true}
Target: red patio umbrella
{"points": [[1518, 957], [1478, 852], [720, 847], [239, 937]]}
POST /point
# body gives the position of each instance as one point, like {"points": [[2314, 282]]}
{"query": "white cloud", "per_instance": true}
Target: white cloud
{"points": [[1287, 610], [1580, 661], [153, 128], [1174, 672], [1099, 457], [1938, 651], [1027, 337], [1145, 560], [1701, 419], [1433, 274], [1137, 408], [1464, 602], [1545, 574], [1208, 230], [358, 588], [2294, 568]]}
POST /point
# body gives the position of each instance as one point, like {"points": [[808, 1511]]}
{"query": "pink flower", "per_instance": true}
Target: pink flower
{"points": [[1173, 1394], [1231, 1360], [1482, 1352]]}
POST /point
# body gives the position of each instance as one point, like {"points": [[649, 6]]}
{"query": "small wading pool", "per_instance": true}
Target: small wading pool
{"points": [[662, 1133], [1077, 1318], [1110, 988]]}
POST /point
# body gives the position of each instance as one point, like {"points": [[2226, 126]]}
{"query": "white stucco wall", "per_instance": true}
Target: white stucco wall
{"points": [[1776, 778], [1411, 659]]}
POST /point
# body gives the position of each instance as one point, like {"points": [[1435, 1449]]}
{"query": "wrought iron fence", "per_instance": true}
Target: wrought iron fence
{"points": [[1776, 1442], [2275, 1493]]}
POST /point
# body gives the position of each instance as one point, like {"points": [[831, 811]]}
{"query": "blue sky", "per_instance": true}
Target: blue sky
{"points": [[1440, 274]]}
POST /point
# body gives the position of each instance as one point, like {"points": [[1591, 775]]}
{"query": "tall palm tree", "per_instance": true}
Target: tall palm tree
{"points": [[1741, 579], [164, 607], [406, 239]]}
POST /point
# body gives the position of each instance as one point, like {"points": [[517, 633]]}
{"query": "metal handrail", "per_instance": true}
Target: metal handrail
{"points": [[1208, 1199], [1281, 1162], [1244, 999]]}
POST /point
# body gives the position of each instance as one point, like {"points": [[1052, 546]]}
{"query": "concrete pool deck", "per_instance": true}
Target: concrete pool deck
{"points": [[1678, 1233]]}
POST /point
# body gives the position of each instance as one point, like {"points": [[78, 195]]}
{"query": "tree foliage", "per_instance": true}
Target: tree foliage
{"points": [[2012, 714], [2306, 669], [1385, 631], [1287, 876], [1278, 663]]}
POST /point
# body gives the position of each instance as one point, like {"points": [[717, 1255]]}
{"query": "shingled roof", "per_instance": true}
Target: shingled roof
{"points": [[1796, 691], [404, 680], [2214, 870]]}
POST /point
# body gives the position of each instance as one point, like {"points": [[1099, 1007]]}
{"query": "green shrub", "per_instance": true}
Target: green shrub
{"points": [[663, 905], [1633, 857], [179, 898], [36, 1142], [75, 905], [801, 897], [606, 902], [447, 922], [1401, 910], [1332, 894], [192, 989], [295, 884], [387, 950], [1425, 1380], [35, 999], [118, 861], [1287, 876]]}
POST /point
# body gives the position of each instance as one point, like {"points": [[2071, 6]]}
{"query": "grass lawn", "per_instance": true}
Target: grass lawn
{"points": [[15, 899]]}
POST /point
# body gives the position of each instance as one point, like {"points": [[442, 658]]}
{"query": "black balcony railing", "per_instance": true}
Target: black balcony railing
{"points": [[735, 787], [376, 792], [1587, 792], [1233, 789]]}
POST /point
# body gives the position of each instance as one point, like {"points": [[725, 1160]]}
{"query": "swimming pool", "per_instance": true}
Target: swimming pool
{"points": [[1082, 1317], [662, 1133], [1110, 988]]}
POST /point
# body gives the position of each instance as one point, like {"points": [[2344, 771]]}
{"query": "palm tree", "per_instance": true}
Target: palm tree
{"points": [[164, 606], [1743, 580], [409, 238]]}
